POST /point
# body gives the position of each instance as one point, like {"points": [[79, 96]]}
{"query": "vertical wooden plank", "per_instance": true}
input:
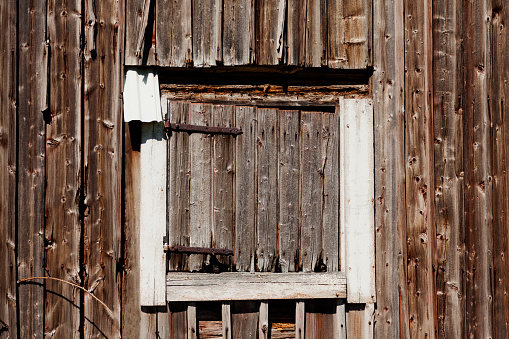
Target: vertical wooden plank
{"points": [[356, 25], [289, 174], [311, 190], [360, 320], [174, 35], [152, 214], [63, 168], [239, 32], [336, 48], [478, 169], [178, 320], [356, 198], [300, 319], [223, 177], [263, 321], [270, 24], [316, 33], [139, 21], [320, 318], [448, 154], [8, 150], [296, 32], [200, 194], [245, 319], [207, 32], [179, 173], [419, 154], [245, 189], [31, 165], [192, 321], [267, 200], [103, 160], [339, 321], [330, 211], [390, 212], [226, 320]]}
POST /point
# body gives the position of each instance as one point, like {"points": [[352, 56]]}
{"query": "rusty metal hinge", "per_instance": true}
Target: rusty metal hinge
{"points": [[197, 250], [177, 127]]}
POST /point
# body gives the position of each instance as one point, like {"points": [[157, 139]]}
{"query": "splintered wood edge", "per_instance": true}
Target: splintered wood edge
{"points": [[258, 286]]}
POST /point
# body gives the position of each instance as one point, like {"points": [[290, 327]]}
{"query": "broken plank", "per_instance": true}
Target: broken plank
{"points": [[270, 23]]}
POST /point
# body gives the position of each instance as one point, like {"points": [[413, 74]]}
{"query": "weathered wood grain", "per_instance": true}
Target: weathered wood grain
{"points": [[102, 166], [390, 210], [226, 317], [356, 23], [300, 319], [179, 172], [207, 32], [339, 321], [245, 319], [311, 197], [289, 177], [448, 154], [8, 149], [360, 320], [192, 321], [316, 33], [139, 27], [263, 321], [296, 32], [245, 189], [336, 49], [177, 312], [320, 318], [223, 176], [270, 24], [31, 171], [174, 34], [200, 194], [238, 32], [63, 169], [267, 187]]}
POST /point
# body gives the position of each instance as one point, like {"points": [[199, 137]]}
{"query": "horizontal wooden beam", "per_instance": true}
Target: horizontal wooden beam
{"points": [[257, 286]]}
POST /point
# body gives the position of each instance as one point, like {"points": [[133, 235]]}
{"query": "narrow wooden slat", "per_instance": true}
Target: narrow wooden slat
{"points": [[134, 17], [8, 149], [316, 33], [103, 162], [239, 32], [270, 24], [448, 154], [177, 312], [320, 316], [267, 199], [300, 319], [179, 172], [339, 321], [390, 220], [174, 35], [360, 320], [223, 234], [63, 167], [311, 190], [192, 321], [263, 322], [245, 319], [357, 201], [200, 194], [336, 48], [30, 166], [296, 32], [226, 320], [289, 174], [356, 27], [207, 32], [245, 189], [330, 211]]}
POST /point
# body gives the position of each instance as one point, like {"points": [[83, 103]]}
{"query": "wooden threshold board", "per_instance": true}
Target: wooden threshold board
{"points": [[254, 286]]}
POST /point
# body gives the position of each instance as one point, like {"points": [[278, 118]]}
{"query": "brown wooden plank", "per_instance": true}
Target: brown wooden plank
{"points": [[289, 174], [200, 193], [448, 135], [207, 32], [316, 33], [330, 211], [267, 199], [174, 35], [139, 24], [179, 172], [63, 168], [360, 320], [31, 166], [336, 49], [223, 181], [8, 149], [239, 32], [390, 210], [103, 162], [320, 315], [245, 189], [178, 320], [296, 32], [245, 319], [270, 24], [498, 99], [356, 23]]}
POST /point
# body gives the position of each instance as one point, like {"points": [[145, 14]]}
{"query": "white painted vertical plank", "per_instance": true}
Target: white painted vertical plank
{"points": [[192, 322], [227, 320], [357, 197], [340, 319], [152, 214], [263, 323], [300, 319]]}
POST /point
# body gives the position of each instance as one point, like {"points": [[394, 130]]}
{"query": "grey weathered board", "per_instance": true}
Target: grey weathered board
{"points": [[270, 194]]}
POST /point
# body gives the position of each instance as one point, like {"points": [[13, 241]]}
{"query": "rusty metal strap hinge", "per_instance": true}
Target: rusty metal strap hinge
{"points": [[177, 127], [197, 250]]}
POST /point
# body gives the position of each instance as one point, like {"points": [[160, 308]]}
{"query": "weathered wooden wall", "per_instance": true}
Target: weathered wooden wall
{"points": [[67, 163]]}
